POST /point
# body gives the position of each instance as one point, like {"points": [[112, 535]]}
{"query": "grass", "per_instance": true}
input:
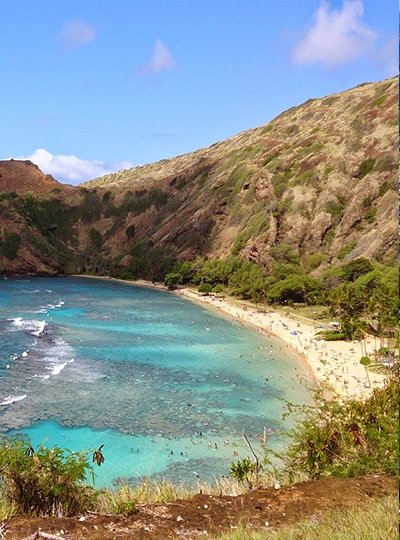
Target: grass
{"points": [[377, 520], [7, 508], [124, 499]]}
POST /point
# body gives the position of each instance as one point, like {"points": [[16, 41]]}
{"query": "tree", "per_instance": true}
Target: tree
{"points": [[357, 268], [294, 288], [172, 280], [130, 231]]}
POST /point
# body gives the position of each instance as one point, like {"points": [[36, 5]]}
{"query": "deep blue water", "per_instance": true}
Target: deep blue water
{"points": [[166, 385]]}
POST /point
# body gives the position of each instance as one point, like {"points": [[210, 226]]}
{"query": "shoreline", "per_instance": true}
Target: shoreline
{"points": [[335, 363]]}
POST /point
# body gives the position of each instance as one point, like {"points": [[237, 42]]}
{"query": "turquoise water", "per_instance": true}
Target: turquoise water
{"points": [[166, 385]]}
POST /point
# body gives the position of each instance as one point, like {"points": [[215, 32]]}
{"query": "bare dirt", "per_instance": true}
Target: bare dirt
{"points": [[202, 515]]}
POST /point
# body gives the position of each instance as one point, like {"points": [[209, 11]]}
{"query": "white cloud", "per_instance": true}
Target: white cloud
{"points": [[76, 33], [161, 59], [336, 37], [72, 170], [388, 56]]}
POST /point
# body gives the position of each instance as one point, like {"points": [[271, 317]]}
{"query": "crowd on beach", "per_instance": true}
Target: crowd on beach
{"points": [[335, 363]]}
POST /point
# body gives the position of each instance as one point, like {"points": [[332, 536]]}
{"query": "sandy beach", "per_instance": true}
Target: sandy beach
{"points": [[336, 363]]}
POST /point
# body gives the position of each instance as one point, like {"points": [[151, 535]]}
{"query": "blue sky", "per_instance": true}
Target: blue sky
{"points": [[94, 86]]}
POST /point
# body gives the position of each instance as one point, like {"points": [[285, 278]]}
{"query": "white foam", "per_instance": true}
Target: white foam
{"points": [[30, 325], [58, 356], [56, 369], [41, 327], [17, 321], [12, 399]]}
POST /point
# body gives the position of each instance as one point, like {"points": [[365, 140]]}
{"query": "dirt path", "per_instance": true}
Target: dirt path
{"points": [[189, 519]]}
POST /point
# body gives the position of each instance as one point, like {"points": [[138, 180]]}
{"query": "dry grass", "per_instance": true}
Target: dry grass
{"points": [[377, 520]]}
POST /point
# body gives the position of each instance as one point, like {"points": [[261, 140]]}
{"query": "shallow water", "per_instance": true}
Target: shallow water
{"points": [[165, 384]]}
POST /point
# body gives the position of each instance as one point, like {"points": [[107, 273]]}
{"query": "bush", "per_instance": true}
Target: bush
{"points": [[365, 167], [205, 288], [45, 481], [172, 280], [96, 239], [346, 438], [242, 469], [334, 336], [10, 245]]}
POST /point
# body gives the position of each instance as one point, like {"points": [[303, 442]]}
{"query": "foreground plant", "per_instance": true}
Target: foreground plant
{"points": [[46, 481], [346, 438]]}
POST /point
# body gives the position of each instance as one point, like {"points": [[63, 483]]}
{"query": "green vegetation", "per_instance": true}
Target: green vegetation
{"points": [[130, 231], [46, 481], [336, 207], [346, 250], [308, 177], [345, 438], [383, 188], [9, 245], [242, 469], [366, 167], [127, 497], [380, 100], [96, 238]]}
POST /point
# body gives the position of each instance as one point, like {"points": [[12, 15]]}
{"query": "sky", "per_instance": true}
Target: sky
{"points": [[90, 87]]}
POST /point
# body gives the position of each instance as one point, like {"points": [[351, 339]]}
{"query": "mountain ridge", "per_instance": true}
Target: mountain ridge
{"points": [[317, 184]]}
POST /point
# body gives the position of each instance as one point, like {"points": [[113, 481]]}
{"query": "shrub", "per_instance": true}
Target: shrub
{"points": [[130, 231], [173, 279], [205, 288], [10, 245], [346, 438], [370, 214], [383, 188], [380, 101], [96, 238], [346, 250], [366, 167], [48, 481], [242, 469], [356, 268], [334, 336]]}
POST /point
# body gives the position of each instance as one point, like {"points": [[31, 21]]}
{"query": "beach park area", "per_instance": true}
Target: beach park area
{"points": [[336, 363]]}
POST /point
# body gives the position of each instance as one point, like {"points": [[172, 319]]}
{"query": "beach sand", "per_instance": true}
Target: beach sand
{"points": [[336, 363]]}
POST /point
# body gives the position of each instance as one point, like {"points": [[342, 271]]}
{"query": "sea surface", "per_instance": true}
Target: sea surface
{"points": [[166, 385]]}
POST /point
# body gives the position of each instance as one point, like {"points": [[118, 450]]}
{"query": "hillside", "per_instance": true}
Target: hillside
{"points": [[318, 184]]}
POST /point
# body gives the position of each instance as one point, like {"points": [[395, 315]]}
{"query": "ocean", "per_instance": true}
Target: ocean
{"points": [[166, 385]]}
